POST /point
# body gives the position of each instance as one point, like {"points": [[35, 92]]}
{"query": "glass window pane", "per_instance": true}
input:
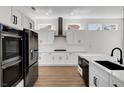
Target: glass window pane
{"points": [[94, 27]]}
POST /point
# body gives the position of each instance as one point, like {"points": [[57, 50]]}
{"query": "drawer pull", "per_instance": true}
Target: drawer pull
{"points": [[95, 81], [115, 85]]}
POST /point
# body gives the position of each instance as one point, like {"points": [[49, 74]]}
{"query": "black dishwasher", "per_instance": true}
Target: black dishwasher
{"points": [[85, 71]]}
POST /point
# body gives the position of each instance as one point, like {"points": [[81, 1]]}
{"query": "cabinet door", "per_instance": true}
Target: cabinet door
{"points": [[25, 22], [50, 37], [60, 59], [46, 37], [5, 15], [75, 58], [16, 18], [71, 59], [114, 82], [42, 37], [30, 24], [70, 37], [46, 59], [42, 59], [96, 81], [78, 37], [49, 59], [102, 82]]}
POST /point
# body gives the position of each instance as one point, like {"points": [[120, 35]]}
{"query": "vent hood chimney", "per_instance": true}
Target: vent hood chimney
{"points": [[60, 27]]}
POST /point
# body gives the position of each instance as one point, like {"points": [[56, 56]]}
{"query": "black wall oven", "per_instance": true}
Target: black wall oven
{"points": [[11, 56]]}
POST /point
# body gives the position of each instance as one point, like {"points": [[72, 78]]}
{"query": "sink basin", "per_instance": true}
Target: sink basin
{"points": [[110, 65]]}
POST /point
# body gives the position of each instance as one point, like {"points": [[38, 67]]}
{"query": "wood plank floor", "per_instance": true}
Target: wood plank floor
{"points": [[59, 77]]}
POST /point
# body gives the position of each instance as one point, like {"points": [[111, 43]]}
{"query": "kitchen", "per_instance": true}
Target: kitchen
{"points": [[61, 46]]}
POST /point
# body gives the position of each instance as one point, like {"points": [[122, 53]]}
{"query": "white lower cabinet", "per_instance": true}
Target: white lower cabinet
{"points": [[114, 82], [72, 59], [58, 59], [45, 59], [98, 77], [97, 81]]}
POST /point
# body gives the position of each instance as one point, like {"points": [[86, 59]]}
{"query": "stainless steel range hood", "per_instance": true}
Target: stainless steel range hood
{"points": [[60, 27]]}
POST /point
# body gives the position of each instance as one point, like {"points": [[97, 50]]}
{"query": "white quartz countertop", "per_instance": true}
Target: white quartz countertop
{"points": [[92, 57], [63, 51]]}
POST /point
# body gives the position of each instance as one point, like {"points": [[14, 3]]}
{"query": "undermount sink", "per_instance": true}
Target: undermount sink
{"points": [[110, 65]]}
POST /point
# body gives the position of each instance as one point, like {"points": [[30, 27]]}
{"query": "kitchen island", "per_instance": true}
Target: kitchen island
{"points": [[100, 76]]}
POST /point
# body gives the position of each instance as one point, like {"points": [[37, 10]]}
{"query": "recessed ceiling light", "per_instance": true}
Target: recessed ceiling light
{"points": [[47, 13], [72, 13], [33, 8]]}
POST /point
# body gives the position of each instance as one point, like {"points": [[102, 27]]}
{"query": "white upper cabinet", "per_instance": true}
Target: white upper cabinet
{"points": [[46, 37], [50, 37], [79, 37], [70, 37], [31, 24], [25, 22], [16, 18], [11, 16], [76, 37], [5, 15]]}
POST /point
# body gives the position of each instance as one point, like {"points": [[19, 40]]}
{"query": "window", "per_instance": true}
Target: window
{"points": [[73, 26], [94, 27], [110, 27]]}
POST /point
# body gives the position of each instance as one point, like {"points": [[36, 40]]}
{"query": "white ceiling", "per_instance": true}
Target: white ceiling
{"points": [[73, 11]]}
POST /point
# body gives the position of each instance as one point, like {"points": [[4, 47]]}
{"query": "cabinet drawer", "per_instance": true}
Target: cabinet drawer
{"points": [[116, 82]]}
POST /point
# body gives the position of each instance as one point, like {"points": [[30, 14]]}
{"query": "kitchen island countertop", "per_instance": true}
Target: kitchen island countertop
{"points": [[92, 57]]}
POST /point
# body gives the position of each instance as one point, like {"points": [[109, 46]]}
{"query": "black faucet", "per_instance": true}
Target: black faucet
{"points": [[121, 59]]}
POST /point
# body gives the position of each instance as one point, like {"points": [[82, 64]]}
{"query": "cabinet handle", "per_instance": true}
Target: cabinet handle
{"points": [[60, 58], [66, 57], [16, 20], [30, 24], [95, 81], [31, 54], [79, 41], [13, 19], [115, 85], [39, 58], [53, 57]]}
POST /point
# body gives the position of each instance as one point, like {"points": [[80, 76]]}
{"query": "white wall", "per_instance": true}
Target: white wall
{"points": [[98, 42]]}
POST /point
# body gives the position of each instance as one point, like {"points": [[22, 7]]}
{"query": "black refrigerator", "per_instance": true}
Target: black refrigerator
{"points": [[30, 58]]}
